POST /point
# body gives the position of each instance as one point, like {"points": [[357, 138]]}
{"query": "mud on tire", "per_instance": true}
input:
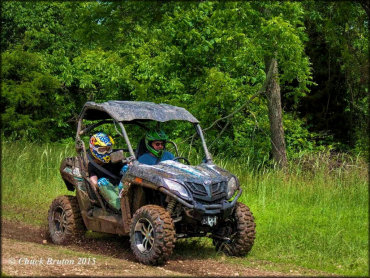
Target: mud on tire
{"points": [[65, 221], [241, 230], [152, 235]]}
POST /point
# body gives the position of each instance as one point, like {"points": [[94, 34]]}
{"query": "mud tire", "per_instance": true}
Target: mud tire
{"points": [[64, 220], [159, 227], [242, 231]]}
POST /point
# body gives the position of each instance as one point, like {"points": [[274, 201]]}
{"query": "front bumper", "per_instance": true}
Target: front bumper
{"points": [[199, 210]]}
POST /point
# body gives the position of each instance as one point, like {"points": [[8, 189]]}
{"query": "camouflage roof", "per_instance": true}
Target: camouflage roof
{"points": [[136, 110]]}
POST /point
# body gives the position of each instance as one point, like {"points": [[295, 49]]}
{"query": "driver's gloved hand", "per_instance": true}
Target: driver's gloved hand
{"points": [[120, 186], [103, 182], [123, 169]]}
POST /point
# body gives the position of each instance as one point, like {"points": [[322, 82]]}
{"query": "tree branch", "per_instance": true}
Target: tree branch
{"points": [[222, 131], [262, 90]]}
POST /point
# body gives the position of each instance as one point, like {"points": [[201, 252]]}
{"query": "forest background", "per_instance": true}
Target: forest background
{"points": [[208, 57]]}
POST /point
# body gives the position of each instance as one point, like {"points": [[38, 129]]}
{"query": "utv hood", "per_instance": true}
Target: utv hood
{"points": [[206, 181]]}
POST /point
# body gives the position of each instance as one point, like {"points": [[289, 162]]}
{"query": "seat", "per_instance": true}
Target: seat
{"points": [[141, 148]]}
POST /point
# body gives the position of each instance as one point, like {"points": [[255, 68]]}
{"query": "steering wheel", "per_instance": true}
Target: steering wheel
{"points": [[183, 158]]}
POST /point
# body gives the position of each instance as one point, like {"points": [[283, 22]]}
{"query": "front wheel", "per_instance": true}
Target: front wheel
{"points": [[236, 236], [152, 235]]}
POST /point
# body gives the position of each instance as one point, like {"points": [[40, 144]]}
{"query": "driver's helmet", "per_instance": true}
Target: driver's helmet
{"points": [[155, 135], [101, 146]]}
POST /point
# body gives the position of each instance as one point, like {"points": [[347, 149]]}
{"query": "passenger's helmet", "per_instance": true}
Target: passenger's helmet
{"points": [[101, 146], [155, 135]]}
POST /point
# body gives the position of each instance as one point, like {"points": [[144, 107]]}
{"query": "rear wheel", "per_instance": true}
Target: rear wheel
{"points": [[237, 234], [152, 235], [65, 221]]}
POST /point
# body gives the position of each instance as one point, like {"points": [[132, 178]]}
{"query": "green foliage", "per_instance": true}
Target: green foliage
{"points": [[209, 57], [99, 74], [339, 50], [29, 93]]}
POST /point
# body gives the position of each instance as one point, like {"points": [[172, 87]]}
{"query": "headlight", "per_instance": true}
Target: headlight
{"points": [[172, 185], [232, 185]]}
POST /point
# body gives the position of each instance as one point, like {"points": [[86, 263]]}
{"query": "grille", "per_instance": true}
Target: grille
{"points": [[197, 188], [217, 191]]}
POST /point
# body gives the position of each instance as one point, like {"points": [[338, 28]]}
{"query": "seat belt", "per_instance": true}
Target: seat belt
{"points": [[102, 169]]}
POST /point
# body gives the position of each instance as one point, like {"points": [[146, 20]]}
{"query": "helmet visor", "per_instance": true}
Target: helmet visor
{"points": [[104, 150]]}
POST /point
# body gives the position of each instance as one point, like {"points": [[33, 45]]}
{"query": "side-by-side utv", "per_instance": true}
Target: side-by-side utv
{"points": [[158, 203]]}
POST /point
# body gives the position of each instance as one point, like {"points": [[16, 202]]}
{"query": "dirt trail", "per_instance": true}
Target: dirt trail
{"points": [[112, 255]]}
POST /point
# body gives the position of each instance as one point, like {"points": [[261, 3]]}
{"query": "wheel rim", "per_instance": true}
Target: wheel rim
{"points": [[59, 220], [228, 230], [144, 235]]}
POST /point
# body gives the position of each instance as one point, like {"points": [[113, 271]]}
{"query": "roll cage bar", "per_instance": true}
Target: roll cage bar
{"points": [[123, 133]]}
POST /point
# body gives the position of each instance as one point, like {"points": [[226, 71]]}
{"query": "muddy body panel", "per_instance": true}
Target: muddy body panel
{"points": [[204, 175], [72, 176], [98, 220], [71, 172], [95, 218], [205, 184]]}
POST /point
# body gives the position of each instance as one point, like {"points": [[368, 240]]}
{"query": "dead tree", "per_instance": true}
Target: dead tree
{"points": [[275, 116], [271, 89]]}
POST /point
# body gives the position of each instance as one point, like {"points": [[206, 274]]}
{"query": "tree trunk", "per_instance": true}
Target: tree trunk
{"points": [[275, 116]]}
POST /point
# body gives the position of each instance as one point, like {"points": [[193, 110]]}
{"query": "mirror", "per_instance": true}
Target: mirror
{"points": [[117, 156]]}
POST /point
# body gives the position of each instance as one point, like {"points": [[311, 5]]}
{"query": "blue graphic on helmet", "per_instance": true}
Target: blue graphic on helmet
{"points": [[101, 146]]}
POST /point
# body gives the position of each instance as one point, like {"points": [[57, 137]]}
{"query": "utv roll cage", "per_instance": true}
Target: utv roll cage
{"points": [[133, 112]]}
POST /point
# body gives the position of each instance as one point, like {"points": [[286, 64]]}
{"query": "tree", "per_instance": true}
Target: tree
{"points": [[29, 93], [275, 116], [206, 56]]}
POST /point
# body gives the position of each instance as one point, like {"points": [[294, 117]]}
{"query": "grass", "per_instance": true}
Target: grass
{"points": [[31, 179], [313, 215]]}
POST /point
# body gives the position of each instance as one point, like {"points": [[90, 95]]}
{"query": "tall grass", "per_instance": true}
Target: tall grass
{"points": [[313, 214], [31, 180]]}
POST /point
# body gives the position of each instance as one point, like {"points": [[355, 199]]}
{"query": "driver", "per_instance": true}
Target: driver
{"points": [[101, 146], [155, 142]]}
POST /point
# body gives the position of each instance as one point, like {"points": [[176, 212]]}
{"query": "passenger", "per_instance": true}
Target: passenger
{"points": [[155, 142], [101, 146]]}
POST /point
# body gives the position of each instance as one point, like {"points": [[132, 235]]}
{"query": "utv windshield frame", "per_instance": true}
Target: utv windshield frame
{"points": [[130, 112]]}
